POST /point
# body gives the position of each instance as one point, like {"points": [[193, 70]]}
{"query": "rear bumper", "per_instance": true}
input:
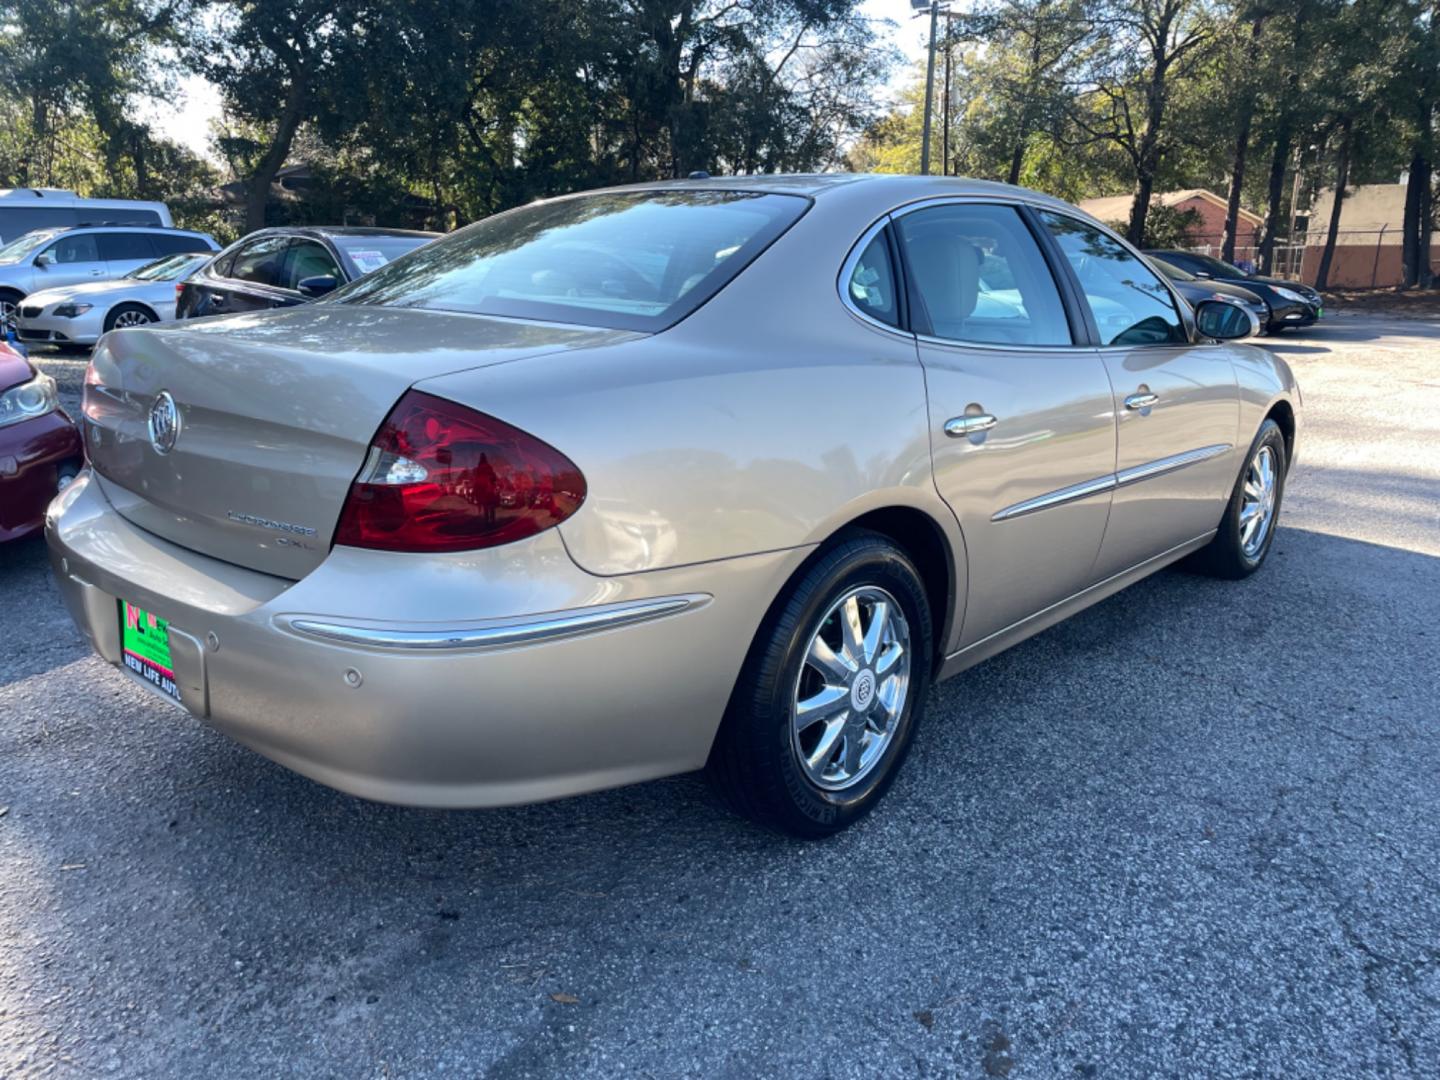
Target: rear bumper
{"points": [[31, 455], [479, 679]]}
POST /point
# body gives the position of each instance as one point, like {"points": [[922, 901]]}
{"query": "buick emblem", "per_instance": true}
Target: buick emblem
{"points": [[164, 423]]}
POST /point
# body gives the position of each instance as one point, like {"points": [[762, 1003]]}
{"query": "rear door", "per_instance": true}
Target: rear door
{"points": [[1022, 424], [1176, 401], [123, 252]]}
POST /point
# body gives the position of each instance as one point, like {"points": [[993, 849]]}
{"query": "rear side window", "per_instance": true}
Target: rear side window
{"points": [[629, 260], [261, 262], [871, 286], [980, 277], [177, 243], [308, 258], [1130, 304], [125, 247]]}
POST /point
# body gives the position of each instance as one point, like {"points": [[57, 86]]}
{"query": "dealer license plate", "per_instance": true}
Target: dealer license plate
{"points": [[145, 646]]}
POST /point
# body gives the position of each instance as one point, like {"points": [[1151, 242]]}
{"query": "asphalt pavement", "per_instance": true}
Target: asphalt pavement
{"points": [[1193, 831]]}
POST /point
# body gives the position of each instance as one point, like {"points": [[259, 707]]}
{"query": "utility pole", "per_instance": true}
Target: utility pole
{"points": [[929, 86], [945, 108]]}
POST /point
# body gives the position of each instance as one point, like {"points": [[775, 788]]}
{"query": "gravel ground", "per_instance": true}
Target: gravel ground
{"points": [[1194, 831]]}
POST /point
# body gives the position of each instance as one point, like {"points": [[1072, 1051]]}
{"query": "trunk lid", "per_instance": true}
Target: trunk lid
{"points": [[275, 415]]}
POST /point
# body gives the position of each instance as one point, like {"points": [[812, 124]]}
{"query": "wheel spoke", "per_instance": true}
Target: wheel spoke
{"points": [[823, 659], [888, 659], [854, 744], [825, 748], [821, 706], [1250, 511], [1247, 530], [879, 623], [850, 628]]}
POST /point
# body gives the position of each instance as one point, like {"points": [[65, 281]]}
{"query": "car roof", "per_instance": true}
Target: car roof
{"points": [[112, 226], [337, 230]]}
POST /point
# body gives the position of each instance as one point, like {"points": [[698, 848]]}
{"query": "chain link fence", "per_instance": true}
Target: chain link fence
{"points": [[1363, 259]]}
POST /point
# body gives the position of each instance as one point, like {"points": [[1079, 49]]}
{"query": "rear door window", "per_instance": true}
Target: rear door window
{"points": [[979, 276], [261, 262], [125, 247]]}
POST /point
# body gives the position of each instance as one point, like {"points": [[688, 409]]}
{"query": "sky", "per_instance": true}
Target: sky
{"points": [[186, 117]]}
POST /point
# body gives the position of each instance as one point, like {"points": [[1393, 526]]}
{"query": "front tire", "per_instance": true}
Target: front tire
{"points": [[124, 315], [831, 694], [1248, 528]]}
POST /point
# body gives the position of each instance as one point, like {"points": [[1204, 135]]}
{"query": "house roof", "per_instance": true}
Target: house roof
{"points": [[1117, 207]]}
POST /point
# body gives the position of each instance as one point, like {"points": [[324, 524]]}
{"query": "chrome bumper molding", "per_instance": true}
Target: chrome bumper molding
{"points": [[504, 634]]}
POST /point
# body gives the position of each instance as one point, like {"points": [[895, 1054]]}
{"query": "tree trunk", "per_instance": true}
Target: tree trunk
{"points": [[1418, 180], [1017, 160], [1237, 181], [1276, 192], [257, 194], [1342, 177], [1140, 208]]}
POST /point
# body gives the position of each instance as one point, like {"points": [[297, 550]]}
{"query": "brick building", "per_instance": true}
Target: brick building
{"points": [[1115, 209]]}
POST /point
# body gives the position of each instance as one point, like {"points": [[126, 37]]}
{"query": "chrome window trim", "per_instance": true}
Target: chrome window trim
{"points": [[1111, 481], [500, 634], [1161, 466]]}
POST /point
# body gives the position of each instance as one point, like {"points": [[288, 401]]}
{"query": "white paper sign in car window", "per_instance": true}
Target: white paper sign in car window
{"points": [[368, 260]]}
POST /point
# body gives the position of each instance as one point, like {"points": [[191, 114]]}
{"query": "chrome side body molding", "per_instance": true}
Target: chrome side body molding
{"points": [[1109, 482]]}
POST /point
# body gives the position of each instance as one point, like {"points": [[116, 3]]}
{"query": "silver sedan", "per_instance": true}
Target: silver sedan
{"points": [[711, 474], [80, 314]]}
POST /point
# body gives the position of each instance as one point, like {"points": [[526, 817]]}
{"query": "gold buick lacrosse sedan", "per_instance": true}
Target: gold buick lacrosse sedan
{"points": [[713, 473]]}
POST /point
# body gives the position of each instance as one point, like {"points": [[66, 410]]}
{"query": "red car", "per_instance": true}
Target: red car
{"points": [[40, 450]]}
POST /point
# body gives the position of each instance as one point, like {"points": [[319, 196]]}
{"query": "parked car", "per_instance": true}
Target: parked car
{"points": [[1290, 303], [706, 473], [50, 258], [286, 266], [40, 451], [79, 314], [1194, 289], [24, 210]]}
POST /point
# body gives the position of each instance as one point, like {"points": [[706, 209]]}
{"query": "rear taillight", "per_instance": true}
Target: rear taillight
{"points": [[441, 477]]}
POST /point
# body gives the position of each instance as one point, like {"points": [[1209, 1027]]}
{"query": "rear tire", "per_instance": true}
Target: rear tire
{"points": [[9, 308], [1248, 528], [123, 315], [828, 701]]}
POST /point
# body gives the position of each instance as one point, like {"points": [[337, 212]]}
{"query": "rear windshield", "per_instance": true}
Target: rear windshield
{"points": [[369, 253], [628, 260]]}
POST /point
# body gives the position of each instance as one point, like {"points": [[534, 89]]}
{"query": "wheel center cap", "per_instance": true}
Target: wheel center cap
{"points": [[862, 690]]}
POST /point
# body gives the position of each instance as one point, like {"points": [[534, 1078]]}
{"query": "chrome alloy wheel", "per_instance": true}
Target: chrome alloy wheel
{"points": [[852, 688], [131, 317], [1257, 506]]}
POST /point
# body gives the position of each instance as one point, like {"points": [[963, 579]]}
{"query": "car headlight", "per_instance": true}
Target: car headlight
{"points": [[28, 400], [70, 310], [1288, 294]]}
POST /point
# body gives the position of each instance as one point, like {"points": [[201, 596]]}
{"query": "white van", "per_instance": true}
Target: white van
{"points": [[23, 210]]}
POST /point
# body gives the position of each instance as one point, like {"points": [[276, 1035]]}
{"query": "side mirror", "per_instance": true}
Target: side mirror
{"points": [[1225, 321], [45, 259], [317, 286]]}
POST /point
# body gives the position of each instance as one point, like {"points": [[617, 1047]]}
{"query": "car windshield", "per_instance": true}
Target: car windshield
{"points": [[628, 260], [169, 268], [370, 252], [1170, 270], [17, 249]]}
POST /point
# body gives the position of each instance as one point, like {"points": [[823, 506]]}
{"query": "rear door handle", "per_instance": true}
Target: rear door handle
{"points": [[959, 426], [1141, 401]]}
